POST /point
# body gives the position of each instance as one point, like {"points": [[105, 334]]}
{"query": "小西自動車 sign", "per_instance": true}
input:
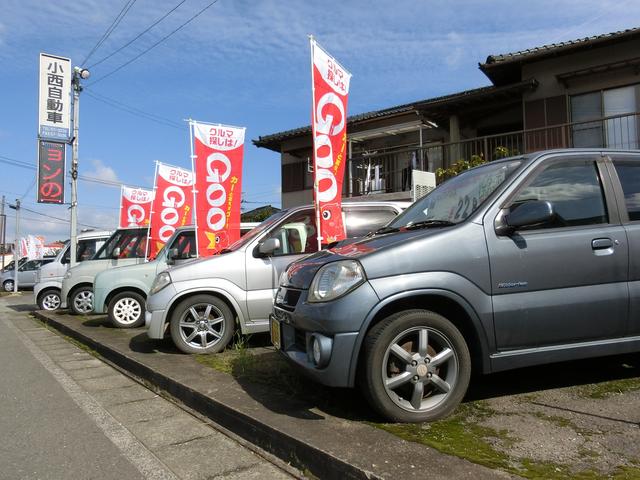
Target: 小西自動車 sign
{"points": [[54, 101]]}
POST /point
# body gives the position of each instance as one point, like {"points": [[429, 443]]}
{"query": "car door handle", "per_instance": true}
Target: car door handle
{"points": [[601, 243]]}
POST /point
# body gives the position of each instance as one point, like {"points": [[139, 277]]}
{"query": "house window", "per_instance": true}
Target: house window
{"points": [[620, 132]]}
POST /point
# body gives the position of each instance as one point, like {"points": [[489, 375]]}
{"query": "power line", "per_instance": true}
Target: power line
{"points": [[55, 218], [138, 36], [155, 44], [127, 6], [134, 111], [28, 189], [21, 164]]}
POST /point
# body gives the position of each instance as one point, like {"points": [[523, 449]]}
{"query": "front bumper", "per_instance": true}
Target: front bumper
{"points": [[99, 297], [340, 320], [156, 311], [156, 326]]}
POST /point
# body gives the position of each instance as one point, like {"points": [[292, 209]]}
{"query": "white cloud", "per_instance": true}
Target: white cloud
{"points": [[102, 172]]}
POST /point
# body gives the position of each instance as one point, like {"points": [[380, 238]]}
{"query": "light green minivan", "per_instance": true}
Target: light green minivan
{"points": [[121, 292]]}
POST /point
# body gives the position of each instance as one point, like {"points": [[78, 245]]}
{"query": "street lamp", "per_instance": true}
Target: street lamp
{"points": [[78, 74]]}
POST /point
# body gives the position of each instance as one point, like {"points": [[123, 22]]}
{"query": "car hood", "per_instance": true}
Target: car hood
{"points": [[117, 273], [227, 265], [301, 272]]}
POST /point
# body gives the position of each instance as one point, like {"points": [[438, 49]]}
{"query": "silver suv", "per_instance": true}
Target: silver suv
{"points": [[201, 303], [518, 262]]}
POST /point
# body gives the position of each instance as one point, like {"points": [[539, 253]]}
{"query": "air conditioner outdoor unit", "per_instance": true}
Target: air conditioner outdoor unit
{"points": [[422, 183]]}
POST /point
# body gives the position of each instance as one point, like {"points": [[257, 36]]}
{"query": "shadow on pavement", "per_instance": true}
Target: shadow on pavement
{"points": [[101, 321], [23, 307], [555, 375], [141, 343]]}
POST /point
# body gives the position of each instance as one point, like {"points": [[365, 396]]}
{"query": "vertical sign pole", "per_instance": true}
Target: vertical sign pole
{"points": [[193, 189], [316, 205], [120, 210], [16, 252], [3, 232], [74, 170]]}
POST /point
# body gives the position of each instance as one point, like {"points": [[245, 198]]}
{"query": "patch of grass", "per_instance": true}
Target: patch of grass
{"points": [[462, 435], [555, 419], [268, 369], [606, 389]]}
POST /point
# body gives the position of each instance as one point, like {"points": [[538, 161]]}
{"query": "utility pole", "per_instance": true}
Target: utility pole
{"points": [[78, 73], [3, 232], [16, 249]]}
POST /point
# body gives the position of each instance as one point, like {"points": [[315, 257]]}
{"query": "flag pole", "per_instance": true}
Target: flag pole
{"points": [[120, 219], [193, 188], [155, 186], [316, 205]]}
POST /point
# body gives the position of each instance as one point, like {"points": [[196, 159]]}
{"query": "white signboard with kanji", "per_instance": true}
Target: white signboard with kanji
{"points": [[54, 112]]}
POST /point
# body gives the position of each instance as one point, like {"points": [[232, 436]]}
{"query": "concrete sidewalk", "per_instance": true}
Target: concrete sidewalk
{"points": [[299, 433]]}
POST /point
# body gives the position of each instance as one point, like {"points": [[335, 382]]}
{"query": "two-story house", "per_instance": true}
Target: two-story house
{"points": [[581, 93]]}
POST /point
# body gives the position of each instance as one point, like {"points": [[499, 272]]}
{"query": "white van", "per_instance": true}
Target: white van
{"points": [[49, 278]]}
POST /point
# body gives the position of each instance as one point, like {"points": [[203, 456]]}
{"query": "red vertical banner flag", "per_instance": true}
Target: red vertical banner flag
{"points": [[330, 86], [135, 207], [172, 205], [217, 164]]}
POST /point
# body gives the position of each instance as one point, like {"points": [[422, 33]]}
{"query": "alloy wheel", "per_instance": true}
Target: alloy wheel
{"points": [[420, 369], [202, 325], [83, 301], [51, 301]]}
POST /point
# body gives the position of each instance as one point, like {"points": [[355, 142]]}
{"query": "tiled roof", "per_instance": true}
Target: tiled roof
{"points": [[273, 140], [561, 46]]}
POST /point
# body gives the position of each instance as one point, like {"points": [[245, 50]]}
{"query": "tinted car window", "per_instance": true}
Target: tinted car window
{"points": [[30, 265], [186, 245], [573, 188], [360, 221], [297, 234], [629, 175], [132, 244]]}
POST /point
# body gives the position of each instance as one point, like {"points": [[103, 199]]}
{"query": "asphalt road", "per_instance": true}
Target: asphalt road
{"points": [[65, 414]]}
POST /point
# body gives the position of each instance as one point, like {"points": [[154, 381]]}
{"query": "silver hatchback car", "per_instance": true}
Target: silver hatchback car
{"points": [[202, 302]]}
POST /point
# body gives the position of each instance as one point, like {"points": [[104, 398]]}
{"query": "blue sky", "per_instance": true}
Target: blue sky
{"points": [[247, 64]]}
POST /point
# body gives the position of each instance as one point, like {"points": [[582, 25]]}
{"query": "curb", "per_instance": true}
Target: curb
{"points": [[288, 449]]}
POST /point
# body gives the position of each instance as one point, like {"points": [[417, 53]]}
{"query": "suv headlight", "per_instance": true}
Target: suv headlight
{"points": [[284, 277], [335, 279], [162, 280]]}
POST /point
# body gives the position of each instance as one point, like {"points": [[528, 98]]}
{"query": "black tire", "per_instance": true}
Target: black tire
{"points": [[219, 332], [8, 285], [81, 300], [126, 310], [49, 299], [407, 386]]}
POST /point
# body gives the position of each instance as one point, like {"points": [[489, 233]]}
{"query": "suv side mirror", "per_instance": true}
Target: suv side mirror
{"points": [[172, 254], [528, 214], [115, 253], [269, 246]]}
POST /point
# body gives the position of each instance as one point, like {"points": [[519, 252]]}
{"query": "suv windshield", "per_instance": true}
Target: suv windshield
{"points": [[132, 244], [457, 198]]}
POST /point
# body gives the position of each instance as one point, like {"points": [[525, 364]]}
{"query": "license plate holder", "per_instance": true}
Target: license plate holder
{"points": [[276, 335]]}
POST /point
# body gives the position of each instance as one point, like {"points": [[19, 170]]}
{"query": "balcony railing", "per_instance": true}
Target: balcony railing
{"points": [[390, 172]]}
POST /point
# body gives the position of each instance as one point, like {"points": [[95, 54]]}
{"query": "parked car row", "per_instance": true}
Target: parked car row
{"points": [[521, 261], [27, 273]]}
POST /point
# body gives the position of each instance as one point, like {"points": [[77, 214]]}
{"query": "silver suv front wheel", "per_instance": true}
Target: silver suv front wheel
{"points": [[417, 366], [202, 324]]}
